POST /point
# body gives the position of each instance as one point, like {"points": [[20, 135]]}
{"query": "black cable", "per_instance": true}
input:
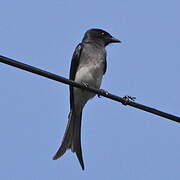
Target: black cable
{"points": [[125, 101]]}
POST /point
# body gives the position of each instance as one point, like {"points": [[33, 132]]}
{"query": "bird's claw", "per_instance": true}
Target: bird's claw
{"points": [[85, 84], [127, 99], [104, 91]]}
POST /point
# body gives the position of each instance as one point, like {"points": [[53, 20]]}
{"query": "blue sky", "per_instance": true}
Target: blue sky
{"points": [[119, 142]]}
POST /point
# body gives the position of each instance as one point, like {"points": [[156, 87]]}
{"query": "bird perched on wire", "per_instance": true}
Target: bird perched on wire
{"points": [[88, 66]]}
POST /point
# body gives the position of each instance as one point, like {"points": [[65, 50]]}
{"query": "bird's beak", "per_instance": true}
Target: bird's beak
{"points": [[114, 40]]}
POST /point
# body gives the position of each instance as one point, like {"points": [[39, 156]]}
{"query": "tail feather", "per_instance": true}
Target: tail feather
{"points": [[67, 139], [72, 138], [76, 144]]}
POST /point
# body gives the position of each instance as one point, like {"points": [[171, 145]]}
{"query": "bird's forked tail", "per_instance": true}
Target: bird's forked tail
{"points": [[72, 138]]}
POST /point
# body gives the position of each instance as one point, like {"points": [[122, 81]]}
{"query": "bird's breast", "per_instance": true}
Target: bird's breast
{"points": [[91, 73]]}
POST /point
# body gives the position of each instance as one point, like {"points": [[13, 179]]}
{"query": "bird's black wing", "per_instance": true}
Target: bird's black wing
{"points": [[73, 70], [105, 65]]}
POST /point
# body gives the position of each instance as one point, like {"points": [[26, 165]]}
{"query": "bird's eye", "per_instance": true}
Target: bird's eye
{"points": [[102, 33]]}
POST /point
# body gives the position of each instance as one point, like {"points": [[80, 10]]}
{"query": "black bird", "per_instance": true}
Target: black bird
{"points": [[88, 66]]}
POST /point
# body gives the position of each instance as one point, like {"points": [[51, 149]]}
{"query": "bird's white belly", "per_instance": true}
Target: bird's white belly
{"points": [[92, 75]]}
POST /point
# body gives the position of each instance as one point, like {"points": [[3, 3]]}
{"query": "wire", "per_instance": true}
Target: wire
{"points": [[127, 100]]}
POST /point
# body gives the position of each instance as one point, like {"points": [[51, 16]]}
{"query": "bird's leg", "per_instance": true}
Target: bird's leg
{"points": [[127, 99], [103, 91]]}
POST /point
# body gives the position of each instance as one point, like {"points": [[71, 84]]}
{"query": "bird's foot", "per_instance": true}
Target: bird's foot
{"points": [[85, 84], [127, 99], [103, 91]]}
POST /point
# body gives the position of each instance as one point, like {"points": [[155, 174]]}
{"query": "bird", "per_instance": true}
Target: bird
{"points": [[88, 66]]}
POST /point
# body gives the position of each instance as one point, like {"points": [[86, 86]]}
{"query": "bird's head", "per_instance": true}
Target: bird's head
{"points": [[99, 36]]}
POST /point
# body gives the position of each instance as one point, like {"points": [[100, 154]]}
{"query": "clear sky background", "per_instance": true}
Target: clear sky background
{"points": [[119, 142]]}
